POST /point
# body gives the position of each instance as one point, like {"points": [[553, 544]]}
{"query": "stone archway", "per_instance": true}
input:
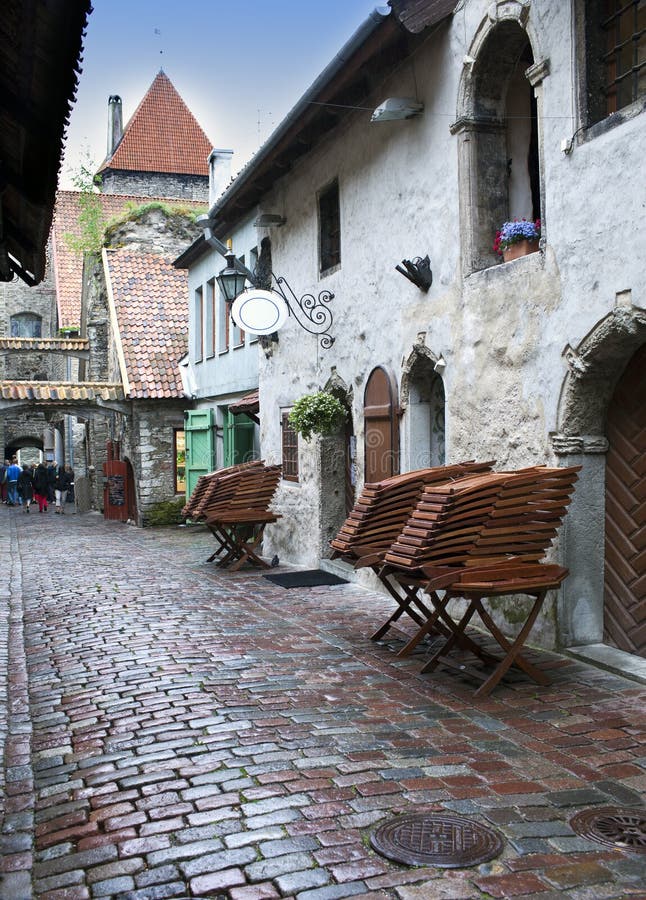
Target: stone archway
{"points": [[423, 402], [499, 125], [595, 367]]}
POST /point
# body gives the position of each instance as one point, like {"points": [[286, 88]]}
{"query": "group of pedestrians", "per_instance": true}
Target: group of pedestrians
{"points": [[44, 484]]}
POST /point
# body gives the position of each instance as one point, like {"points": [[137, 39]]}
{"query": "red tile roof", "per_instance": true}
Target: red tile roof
{"points": [[58, 345], [249, 404], [162, 136], [151, 303], [63, 390], [68, 263]]}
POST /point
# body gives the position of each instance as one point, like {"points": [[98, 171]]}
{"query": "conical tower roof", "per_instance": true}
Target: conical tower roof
{"points": [[162, 135]]}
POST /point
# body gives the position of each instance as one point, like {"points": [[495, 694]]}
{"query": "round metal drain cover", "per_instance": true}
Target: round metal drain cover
{"points": [[624, 828], [450, 842]]}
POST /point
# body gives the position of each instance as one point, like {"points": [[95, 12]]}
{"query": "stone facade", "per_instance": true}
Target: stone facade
{"points": [[36, 306], [144, 428], [523, 377], [155, 184]]}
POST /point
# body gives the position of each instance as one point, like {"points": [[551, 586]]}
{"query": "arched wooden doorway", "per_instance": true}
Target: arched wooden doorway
{"points": [[625, 545], [381, 423]]}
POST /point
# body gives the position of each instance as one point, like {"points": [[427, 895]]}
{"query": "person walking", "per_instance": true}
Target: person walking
{"points": [[26, 487], [64, 479], [52, 470], [3, 480], [40, 487], [13, 473]]}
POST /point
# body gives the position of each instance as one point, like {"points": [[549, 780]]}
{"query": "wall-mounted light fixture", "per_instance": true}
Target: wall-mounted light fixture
{"points": [[262, 311], [396, 108], [418, 271], [269, 220]]}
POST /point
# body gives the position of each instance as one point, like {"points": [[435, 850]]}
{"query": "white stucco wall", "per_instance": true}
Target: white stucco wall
{"points": [[232, 372], [504, 330]]}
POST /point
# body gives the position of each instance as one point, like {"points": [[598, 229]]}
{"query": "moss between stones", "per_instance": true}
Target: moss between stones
{"points": [[168, 512]]}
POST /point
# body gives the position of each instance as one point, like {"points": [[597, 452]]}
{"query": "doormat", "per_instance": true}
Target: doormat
{"points": [[308, 578]]}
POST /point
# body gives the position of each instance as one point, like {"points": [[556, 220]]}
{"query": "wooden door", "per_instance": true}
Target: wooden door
{"points": [[119, 495], [381, 423], [625, 551]]}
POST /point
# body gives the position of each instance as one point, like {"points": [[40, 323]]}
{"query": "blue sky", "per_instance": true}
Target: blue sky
{"points": [[240, 66]]}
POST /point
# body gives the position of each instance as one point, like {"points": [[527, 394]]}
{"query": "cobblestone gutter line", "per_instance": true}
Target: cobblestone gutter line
{"points": [[5, 604], [16, 838]]}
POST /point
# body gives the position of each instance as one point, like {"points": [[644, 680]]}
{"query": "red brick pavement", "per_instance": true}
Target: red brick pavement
{"points": [[173, 731]]}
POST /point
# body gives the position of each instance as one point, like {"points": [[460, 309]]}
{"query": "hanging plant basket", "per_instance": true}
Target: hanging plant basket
{"points": [[320, 413]]}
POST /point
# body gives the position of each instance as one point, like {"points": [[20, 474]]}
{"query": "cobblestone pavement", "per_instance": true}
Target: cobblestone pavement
{"points": [[174, 731]]}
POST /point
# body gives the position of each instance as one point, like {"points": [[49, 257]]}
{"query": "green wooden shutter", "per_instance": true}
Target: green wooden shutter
{"points": [[238, 439], [199, 446]]}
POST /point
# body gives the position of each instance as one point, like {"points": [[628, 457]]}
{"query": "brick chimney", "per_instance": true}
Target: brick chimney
{"points": [[115, 123], [219, 173]]}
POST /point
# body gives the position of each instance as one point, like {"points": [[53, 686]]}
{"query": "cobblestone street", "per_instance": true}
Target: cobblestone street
{"points": [[170, 730]]}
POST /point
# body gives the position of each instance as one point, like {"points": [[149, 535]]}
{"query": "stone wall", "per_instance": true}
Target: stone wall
{"points": [[155, 184], [149, 446]]}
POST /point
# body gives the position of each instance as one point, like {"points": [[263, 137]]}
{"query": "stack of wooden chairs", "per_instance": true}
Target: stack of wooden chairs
{"points": [[234, 504], [206, 488], [479, 536], [375, 522]]}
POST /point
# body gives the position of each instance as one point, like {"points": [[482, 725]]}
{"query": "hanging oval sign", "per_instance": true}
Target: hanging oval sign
{"points": [[259, 312]]}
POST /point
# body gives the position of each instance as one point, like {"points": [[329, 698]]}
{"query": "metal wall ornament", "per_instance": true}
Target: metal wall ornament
{"points": [[418, 271], [261, 311], [312, 313]]}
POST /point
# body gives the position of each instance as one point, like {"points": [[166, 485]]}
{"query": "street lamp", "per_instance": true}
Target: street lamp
{"points": [[230, 280]]}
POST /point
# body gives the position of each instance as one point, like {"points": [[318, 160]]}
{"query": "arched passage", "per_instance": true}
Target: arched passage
{"points": [[587, 412]]}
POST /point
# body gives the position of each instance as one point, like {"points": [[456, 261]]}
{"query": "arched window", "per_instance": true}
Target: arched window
{"points": [[499, 148], [26, 325]]}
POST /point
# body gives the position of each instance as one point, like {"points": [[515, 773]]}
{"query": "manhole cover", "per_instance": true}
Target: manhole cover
{"points": [[450, 842], [624, 828]]}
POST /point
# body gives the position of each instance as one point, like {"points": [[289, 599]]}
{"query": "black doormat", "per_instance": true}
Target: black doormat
{"points": [[308, 578]]}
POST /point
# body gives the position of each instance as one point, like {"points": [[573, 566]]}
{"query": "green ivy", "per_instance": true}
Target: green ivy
{"points": [[91, 216], [320, 413]]}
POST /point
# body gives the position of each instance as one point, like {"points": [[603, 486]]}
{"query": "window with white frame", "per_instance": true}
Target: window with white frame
{"points": [[198, 319]]}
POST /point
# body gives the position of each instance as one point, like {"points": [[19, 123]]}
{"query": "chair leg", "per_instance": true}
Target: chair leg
{"points": [[513, 655], [245, 550]]}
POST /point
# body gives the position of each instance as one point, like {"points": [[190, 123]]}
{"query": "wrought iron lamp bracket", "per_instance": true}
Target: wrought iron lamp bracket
{"points": [[312, 313]]}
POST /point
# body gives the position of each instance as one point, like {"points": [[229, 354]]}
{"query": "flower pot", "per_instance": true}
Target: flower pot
{"points": [[522, 248]]}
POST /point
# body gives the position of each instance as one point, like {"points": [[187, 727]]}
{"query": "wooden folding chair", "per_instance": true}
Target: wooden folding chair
{"points": [[533, 580], [481, 538], [377, 518]]}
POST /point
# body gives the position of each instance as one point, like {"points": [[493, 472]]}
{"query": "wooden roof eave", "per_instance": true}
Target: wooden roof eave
{"points": [[38, 82]]}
